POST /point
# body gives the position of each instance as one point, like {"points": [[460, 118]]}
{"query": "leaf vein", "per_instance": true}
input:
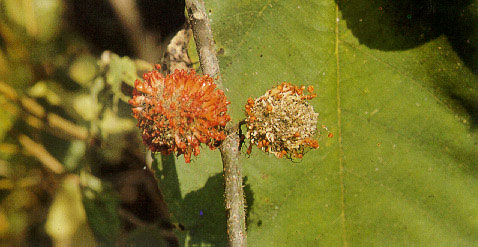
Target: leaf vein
{"points": [[339, 130]]}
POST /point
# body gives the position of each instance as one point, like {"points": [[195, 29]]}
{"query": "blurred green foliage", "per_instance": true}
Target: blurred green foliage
{"points": [[73, 105]]}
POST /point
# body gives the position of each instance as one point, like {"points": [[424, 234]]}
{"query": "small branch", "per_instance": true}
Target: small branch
{"points": [[39, 152], [69, 128], [205, 44], [236, 222], [234, 194]]}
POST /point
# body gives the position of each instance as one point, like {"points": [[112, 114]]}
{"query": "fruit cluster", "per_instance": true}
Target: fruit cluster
{"points": [[179, 111], [282, 122]]}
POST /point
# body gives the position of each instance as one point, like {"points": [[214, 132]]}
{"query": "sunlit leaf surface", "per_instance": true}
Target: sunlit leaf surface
{"points": [[397, 86]]}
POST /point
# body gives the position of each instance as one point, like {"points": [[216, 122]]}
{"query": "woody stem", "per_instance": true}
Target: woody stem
{"points": [[234, 194]]}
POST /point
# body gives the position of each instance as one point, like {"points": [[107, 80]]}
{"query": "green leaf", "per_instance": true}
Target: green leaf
{"points": [[83, 70], [87, 106], [39, 18], [121, 69], [193, 55], [101, 205], [75, 155], [396, 84], [198, 210], [145, 237], [43, 89], [66, 213]]}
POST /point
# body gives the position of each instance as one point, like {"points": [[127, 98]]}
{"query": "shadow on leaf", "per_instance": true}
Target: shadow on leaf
{"points": [[399, 25], [205, 212], [201, 214], [389, 25]]}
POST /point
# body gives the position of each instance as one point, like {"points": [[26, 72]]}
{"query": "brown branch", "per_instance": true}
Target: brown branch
{"points": [[234, 194], [205, 44]]}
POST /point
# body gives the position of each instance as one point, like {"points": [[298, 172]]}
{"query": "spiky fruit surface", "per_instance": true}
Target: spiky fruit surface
{"points": [[179, 111], [282, 122]]}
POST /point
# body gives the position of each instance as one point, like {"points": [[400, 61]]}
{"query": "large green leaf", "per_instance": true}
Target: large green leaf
{"points": [[396, 86]]}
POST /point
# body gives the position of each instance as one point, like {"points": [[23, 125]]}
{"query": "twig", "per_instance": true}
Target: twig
{"points": [[236, 222], [68, 127], [205, 44], [39, 152], [234, 194]]}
